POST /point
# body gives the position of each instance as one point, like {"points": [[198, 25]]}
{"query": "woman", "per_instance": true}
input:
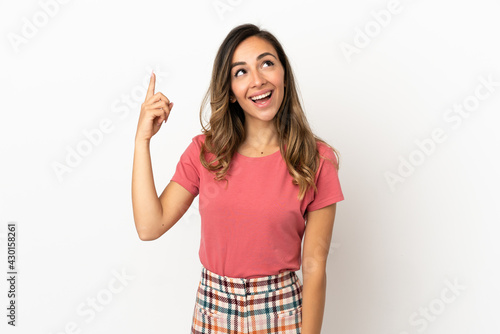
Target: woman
{"points": [[260, 173]]}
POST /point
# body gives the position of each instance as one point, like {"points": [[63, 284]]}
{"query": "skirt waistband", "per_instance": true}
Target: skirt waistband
{"points": [[247, 286]]}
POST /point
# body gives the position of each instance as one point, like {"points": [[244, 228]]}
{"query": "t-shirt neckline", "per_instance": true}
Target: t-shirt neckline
{"points": [[266, 156]]}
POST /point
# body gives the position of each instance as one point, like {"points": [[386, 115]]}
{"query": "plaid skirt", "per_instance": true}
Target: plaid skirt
{"points": [[261, 305]]}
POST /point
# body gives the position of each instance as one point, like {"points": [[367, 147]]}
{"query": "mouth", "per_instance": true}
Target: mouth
{"points": [[262, 99]]}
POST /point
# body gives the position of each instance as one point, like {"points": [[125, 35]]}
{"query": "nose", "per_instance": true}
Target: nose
{"points": [[258, 79]]}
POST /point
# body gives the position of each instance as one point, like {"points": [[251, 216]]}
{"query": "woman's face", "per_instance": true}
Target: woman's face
{"points": [[257, 78]]}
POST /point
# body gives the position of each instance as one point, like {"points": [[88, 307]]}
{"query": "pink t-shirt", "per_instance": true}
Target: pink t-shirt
{"points": [[254, 227]]}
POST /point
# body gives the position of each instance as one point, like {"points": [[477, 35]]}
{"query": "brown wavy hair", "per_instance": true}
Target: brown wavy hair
{"points": [[226, 130]]}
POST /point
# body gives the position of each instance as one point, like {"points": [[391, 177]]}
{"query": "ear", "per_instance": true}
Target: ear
{"points": [[232, 99]]}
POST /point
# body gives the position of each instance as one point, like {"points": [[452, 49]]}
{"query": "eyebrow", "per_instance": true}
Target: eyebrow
{"points": [[258, 58]]}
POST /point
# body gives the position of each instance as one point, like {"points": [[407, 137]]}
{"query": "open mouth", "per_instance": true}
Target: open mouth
{"points": [[262, 99]]}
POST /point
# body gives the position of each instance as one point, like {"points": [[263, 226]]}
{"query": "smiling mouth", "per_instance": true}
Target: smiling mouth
{"points": [[263, 98]]}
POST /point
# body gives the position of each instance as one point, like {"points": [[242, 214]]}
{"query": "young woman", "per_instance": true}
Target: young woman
{"points": [[261, 174]]}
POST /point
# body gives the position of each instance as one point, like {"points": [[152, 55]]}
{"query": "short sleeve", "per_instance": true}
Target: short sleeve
{"points": [[187, 172], [327, 181]]}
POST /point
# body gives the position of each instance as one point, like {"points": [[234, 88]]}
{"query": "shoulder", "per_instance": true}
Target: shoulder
{"points": [[326, 152], [199, 139], [196, 145], [196, 142]]}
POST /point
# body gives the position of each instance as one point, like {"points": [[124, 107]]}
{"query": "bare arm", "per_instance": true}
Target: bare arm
{"points": [[154, 215], [145, 202], [317, 239]]}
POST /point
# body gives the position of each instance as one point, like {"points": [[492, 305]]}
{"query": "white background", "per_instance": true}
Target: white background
{"points": [[394, 248]]}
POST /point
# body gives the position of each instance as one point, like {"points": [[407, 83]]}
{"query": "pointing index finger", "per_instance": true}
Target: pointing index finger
{"points": [[151, 87]]}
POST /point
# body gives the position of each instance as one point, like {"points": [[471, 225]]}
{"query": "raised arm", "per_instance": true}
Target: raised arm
{"points": [[154, 215]]}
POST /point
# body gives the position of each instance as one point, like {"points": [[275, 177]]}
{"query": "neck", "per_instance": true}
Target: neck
{"points": [[260, 134]]}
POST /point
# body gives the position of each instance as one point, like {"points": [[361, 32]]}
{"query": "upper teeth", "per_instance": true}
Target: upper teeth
{"points": [[258, 97]]}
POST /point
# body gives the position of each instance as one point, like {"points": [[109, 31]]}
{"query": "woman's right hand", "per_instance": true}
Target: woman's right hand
{"points": [[154, 111]]}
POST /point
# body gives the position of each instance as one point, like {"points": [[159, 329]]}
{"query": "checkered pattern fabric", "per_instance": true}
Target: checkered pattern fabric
{"points": [[261, 305]]}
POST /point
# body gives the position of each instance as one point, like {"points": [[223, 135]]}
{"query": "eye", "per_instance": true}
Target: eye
{"points": [[268, 62], [236, 74]]}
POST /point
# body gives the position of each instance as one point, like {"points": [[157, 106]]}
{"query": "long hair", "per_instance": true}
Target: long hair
{"points": [[226, 129]]}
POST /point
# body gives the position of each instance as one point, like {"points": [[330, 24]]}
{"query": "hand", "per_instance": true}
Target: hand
{"points": [[154, 111]]}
